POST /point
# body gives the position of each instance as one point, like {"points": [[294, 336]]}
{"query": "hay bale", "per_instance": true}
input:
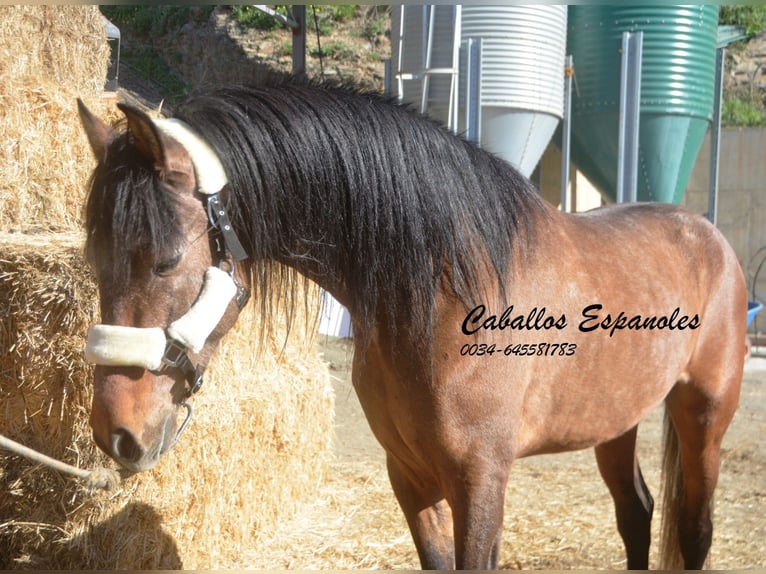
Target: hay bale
{"points": [[49, 56], [256, 449]]}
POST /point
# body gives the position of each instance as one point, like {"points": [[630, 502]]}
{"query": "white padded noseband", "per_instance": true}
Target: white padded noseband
{"points": [[193, 329], [115, 345]]}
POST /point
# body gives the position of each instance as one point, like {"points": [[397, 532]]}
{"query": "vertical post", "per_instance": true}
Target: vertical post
{"points": [[457, 23], [399, 57], [566, 134], [715, 139], [473, 90], [630, 114], [429, 40], [299, 40]]}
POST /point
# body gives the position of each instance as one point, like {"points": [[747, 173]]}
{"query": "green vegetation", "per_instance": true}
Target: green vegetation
{"points": [[319, 17], [742, 111], [376, 27], [323, 17], [336, 50], [744, 108], [146, 20], [751, 18], [286, 49], [341, 13], [150, 21], [150, 65], [249, 17]]}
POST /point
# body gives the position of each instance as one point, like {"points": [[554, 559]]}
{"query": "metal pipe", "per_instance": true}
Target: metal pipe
{"points": [[630, 115], [715, 139], [299, 40], [429, 39], [473, 90], [276, 15], [566, 135]]}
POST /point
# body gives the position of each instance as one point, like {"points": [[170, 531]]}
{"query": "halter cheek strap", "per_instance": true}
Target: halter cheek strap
{"points": [[211, 179], [193, 329]]}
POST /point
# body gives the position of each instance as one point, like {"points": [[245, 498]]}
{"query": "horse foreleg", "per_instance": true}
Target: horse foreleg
{"points": [[633, 502], [428, 516], [477, 507]]}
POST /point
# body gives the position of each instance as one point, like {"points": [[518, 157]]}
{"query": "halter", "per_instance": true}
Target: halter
{"points": [[156, 349]]}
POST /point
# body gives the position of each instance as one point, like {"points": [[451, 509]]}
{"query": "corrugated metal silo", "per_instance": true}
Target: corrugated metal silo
{"points": [[522, 78], [677, 92]]}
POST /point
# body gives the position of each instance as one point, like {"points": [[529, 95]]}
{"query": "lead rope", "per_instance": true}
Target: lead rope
{"points": [[106, 478]]}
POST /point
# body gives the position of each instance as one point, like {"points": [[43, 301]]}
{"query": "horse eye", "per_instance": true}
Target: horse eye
{"points": [[167, 265]]}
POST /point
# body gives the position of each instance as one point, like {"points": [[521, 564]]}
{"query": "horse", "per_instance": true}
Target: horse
{"points": [[488, 326]]}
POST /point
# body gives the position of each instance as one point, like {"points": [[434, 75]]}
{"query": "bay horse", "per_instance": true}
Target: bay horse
{"points": [[488, 326]]}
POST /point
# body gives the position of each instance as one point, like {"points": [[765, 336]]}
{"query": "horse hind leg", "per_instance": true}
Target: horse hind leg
{"points": [[618, 465], [695, 424]]}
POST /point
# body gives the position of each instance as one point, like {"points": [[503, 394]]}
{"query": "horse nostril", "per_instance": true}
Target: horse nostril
{"points": [[125, 446]]}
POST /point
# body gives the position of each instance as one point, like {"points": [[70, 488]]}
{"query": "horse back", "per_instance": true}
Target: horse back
{"points": [[609, 311]]}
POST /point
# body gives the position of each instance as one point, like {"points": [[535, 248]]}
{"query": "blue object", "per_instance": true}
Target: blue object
{"points": [[753, 308]]}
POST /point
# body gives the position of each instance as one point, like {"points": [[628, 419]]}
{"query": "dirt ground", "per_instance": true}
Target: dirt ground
{"points": [[558, 512]]}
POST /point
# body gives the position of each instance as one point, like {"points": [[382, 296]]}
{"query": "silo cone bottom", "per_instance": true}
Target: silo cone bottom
{"points": [[668, 147], [518, 136]]}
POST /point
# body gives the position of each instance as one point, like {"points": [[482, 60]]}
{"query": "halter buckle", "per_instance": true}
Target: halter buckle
{"points": [[226, 265], [175, 357], [175, 354]]}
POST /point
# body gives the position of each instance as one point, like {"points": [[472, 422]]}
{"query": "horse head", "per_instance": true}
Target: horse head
{"points": [[166, 263]]}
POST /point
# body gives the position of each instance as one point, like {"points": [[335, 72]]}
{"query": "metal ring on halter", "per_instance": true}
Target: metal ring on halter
{"points": [[184, 424], [226, 264]]}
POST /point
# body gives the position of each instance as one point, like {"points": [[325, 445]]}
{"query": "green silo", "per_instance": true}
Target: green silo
{"points": [[677, 92]]}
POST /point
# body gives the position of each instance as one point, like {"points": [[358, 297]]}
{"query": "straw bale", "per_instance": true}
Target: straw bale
{"points": [[255, 451], [49, 56]]}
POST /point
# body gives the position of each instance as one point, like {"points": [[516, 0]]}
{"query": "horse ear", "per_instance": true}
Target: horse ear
{"points": [[99, 133], [146, 136]]}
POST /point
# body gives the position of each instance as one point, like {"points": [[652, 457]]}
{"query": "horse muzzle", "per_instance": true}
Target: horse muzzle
{"points": [[134, 415]]}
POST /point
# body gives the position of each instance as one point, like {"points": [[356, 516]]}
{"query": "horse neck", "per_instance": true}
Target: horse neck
{"points": [[305, 242], [318, 272]]}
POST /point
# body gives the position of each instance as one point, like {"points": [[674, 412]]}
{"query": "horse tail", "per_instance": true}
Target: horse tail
{"points": [[672, 493]]}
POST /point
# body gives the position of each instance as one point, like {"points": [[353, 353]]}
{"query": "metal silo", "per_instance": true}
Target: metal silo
{"points": [[522, 77], [676, 100], [522, 70]]}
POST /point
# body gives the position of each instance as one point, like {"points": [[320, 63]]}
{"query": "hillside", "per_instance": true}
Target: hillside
{"points": [[745, 82], [169, 51], [173, 51]]}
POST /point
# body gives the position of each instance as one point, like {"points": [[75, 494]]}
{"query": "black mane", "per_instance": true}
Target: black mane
{"points": [[362, 195]]}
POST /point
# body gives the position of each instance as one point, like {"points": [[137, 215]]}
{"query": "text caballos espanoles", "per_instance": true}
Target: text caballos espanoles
{"points": [[592, 318]]}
